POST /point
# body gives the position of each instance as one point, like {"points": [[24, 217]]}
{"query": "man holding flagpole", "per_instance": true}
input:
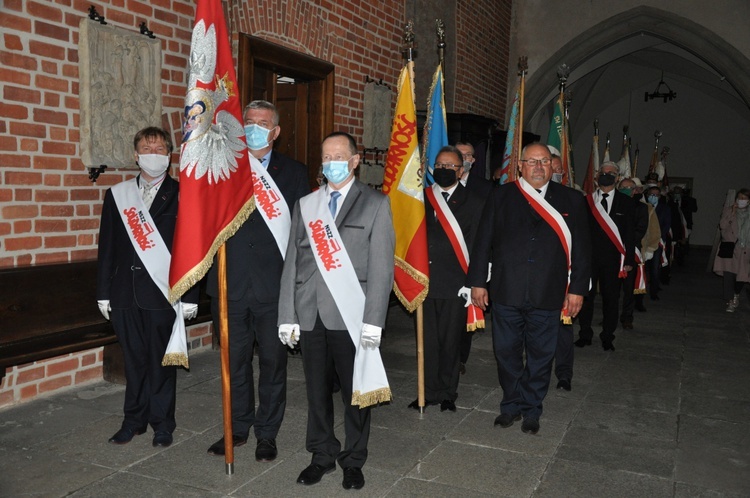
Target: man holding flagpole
{"points": [[135, 242], [452, 225], [335, 288], [255, 258], [537, 237]]}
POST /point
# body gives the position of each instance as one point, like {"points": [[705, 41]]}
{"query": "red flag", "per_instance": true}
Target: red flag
{"points": [[216, 191], [588, 181]]}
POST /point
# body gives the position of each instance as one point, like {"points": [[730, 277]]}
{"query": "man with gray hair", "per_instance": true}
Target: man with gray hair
{"points": [[255, 258], [611, 216]]}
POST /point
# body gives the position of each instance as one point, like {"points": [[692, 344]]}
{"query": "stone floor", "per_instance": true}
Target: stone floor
{"points": [[665, 415]]}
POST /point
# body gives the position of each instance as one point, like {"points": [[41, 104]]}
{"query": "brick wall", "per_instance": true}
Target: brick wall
{"points": [[482, 57], [49, 210]]}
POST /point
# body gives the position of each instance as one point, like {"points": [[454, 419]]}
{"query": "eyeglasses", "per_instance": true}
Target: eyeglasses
{"points": [[545, 161], [446, 166]]}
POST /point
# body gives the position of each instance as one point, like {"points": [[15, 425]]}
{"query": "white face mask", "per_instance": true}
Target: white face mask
{"points": [[742, 203], [557, 177], [467, 166], [153, 164]]}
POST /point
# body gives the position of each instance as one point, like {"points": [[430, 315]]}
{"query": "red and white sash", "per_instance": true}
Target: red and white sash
{"points": [[153, 252], [664, 258], [640, 274], [369, 381], [555, 220], [475, 316], [609, 227], [271, 204]]}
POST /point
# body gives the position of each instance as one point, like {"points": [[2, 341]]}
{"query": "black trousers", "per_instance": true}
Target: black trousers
{"points": [[519, 329], [444, 326], [604, 275], [323, 353], [251, 322], [628, 298], [564, 353], [150, 387]]}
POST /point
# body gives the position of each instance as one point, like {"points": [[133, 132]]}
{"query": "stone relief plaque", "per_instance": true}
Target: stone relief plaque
{"points": [[120, 91]]}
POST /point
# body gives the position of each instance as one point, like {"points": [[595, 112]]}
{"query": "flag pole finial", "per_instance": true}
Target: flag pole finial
{"points": [[440, 31], [523, 65], [596, 127], [562, 74], [409, 44]]}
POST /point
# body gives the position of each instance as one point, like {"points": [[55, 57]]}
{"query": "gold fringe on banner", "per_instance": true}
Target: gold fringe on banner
{"points": [[419, 277], [471, 327], [175, 360], [371, 398]]}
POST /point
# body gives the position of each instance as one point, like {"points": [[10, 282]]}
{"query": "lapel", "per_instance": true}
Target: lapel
{"points": [[273, 166], [165, 192], [458, 198], [351, 198]]}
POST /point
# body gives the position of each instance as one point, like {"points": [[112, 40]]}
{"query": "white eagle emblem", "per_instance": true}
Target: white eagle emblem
{"points": [[208, 148]]}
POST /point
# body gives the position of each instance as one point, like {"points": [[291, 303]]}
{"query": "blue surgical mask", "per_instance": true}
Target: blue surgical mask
{"points": [[336, 171], [653, 200], [257, 136]]}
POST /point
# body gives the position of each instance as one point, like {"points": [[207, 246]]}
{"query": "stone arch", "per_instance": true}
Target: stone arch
{"points": [[697, 39]]}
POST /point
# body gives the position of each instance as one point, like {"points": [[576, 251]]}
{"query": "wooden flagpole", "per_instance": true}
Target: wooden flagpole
{"points": [[226, 391], [523, 66]]}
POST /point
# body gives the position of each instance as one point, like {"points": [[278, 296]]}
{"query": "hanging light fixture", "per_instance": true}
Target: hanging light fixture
{"points": [[659, 93]]}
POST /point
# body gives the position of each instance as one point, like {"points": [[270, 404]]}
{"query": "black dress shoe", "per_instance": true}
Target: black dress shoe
{"points": [[627, 324], [353, 478], [217, 449], [583, 342], [564, 384], [447, 404], [266, 450], [608, 346], [314, 473], [162, 439], [506, 419], [530, 426], [126, 434]]}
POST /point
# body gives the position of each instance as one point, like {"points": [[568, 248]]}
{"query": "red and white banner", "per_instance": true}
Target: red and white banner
{"points": [[216, 188]]}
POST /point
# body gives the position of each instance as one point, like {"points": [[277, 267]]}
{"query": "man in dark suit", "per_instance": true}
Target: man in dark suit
{"points": [[610, 216], [640, 227], [313, 310], [128, 295], [254, 264], [444, 310], [527, 228], [481, 187]]}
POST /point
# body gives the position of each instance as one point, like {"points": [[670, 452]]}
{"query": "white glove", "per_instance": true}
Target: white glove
{"points": [[370, 336], [189, 311], [489, 271], [465, 293], [104, 308], [289, 334]]}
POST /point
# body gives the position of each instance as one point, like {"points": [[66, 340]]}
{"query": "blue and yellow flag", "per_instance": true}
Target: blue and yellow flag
{"points": [[435, 133]]}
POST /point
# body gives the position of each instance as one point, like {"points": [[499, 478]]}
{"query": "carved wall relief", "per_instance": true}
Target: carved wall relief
{"points": [[120, 91]]}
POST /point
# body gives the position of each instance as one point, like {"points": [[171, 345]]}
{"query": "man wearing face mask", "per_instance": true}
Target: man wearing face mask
{"points": [[482, 188], [254, 263], [474, 182], [335, 289], [128, 292], [611, 216], [640, 227], [664, 215], [451, 215]]}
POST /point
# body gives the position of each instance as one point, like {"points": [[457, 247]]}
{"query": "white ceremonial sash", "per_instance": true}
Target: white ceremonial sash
{"points": [[609, 227], [369, 381], [153, 253], [273, 207], [555, 220]]}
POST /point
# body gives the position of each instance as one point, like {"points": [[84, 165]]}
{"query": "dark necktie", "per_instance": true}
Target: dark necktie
{"points": [[445, 196], [605, 205], [332, 203]]}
